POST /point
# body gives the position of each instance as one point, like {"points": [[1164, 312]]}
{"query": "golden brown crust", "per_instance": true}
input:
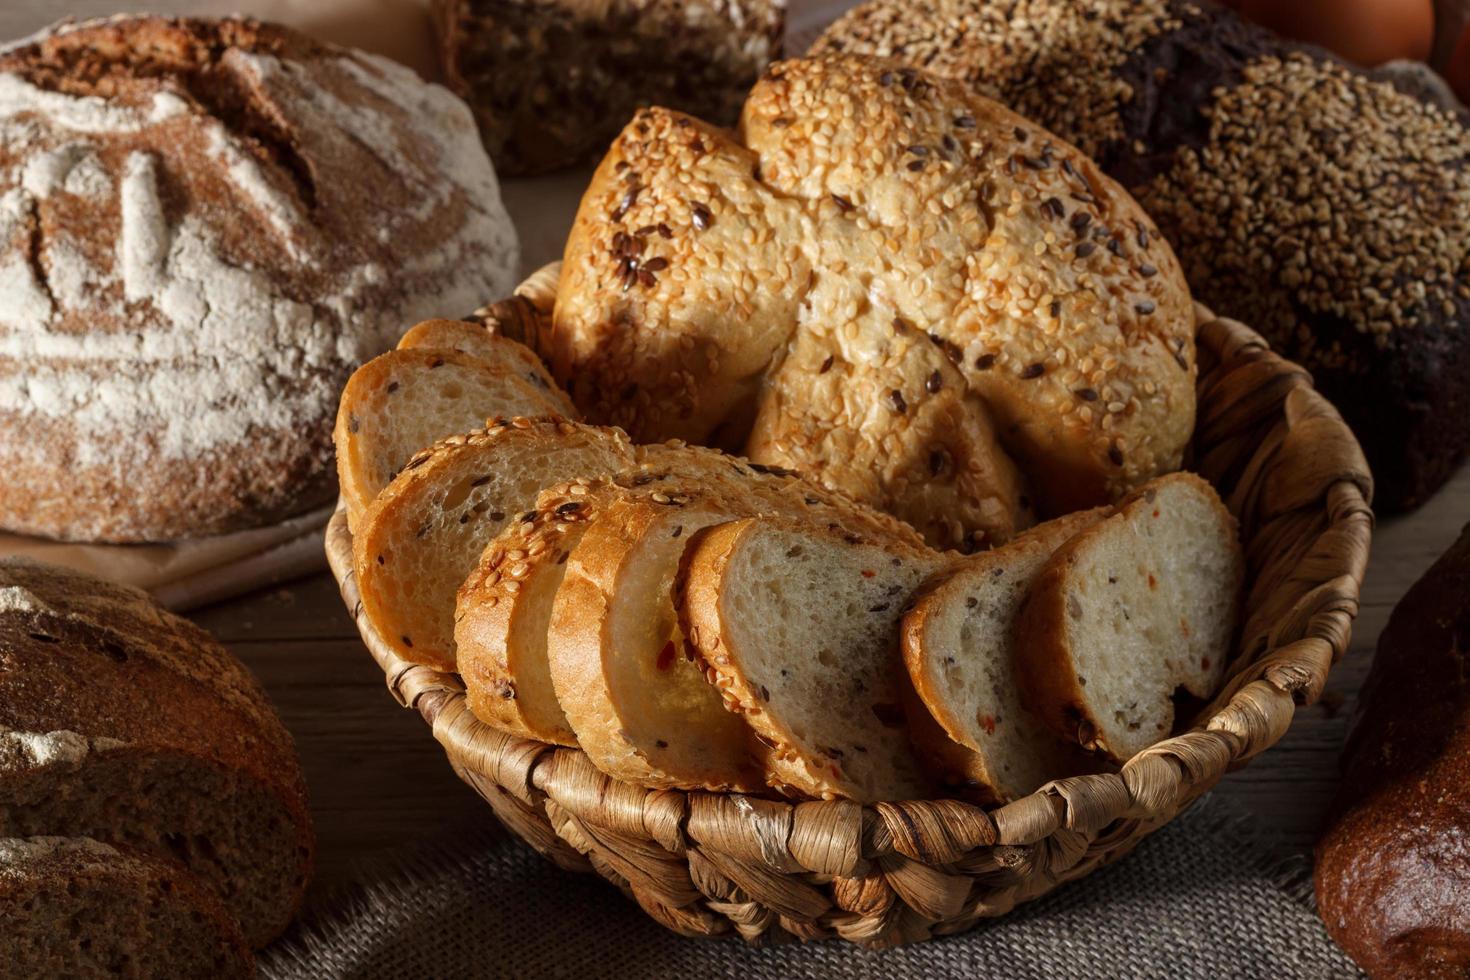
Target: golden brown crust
{"points": [[929, 246]]}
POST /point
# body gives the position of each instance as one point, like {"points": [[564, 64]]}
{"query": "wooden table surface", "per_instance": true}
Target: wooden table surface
{"points": [[380, 785]]}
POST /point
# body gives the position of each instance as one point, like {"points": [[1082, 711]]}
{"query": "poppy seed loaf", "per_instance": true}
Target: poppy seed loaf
{"points": [[895, 286], [204, 226], [1326, 209], [551, 83], [124, 723]]}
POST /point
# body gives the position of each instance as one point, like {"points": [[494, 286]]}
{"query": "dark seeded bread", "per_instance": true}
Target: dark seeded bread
{"points": [[80, 909], [122, 722], [552, 82], [1393, 863], [798, 629], [1325, 209], [960, 645], [1131, 610]]}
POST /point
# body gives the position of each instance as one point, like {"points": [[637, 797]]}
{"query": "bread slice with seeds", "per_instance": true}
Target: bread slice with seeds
{"points": [[402, 402], [421, 537], [77, 908], [504, 608], [798, 628], [1130, 611], [960, 645]]}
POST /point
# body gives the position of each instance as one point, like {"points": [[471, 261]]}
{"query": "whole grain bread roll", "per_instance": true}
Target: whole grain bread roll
{"points": [[551, 83], [124, 723], [204, 226], [1393, 863], [1328, 210], [898, 287]]}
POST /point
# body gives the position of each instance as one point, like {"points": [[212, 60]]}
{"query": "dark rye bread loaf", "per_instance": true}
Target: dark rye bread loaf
{"points": [[124, 723], [205, 225], [1327, 210], [551, 83], [1393, 864], [77, 908]]}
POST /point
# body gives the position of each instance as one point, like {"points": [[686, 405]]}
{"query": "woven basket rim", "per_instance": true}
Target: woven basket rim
{"points": [[1284, 462]]}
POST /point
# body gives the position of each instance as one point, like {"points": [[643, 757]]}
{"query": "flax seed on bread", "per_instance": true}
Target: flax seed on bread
{"points": [[961, 642], [799, 629], [1131, 610]]}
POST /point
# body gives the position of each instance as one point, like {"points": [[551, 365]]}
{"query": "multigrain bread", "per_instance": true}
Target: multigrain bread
{"points": [[878, 280], [960, 645], [205, 225], [77, 908], [400, 403], [1393, 872], [122, 722], [424, 533], [552, 82], [503, 610], [798, 628], [1130, 611], [1327, 209]]}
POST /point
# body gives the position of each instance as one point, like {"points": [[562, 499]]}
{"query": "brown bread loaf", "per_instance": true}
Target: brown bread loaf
{"points": [[552, 82], [1393, 864], [124, 723], [1327, 210], [204, 227]]}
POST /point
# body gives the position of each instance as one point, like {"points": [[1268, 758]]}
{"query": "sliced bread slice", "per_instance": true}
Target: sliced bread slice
{"points": [[798, 629], [960, 643], [482, 341], [78, 908], [1129, 612], [504, 607], [421, 537], [402, 402]]}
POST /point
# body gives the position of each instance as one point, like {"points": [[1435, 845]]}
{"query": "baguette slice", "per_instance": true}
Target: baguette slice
{"points": [[398, 404], [798, 628], [960, 644], [1130, 611], [75, 907], [504, 608], [421, 537]]}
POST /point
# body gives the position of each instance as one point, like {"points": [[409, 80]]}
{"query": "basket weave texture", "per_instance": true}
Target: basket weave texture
{"points": [[709, 864]]}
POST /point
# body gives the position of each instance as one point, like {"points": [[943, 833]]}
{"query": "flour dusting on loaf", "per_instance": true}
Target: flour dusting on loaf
{"points": [[203, 227]]}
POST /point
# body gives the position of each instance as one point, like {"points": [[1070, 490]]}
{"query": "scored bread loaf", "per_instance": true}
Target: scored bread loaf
{"points": [[206, 224], [877, 279], [122, 722], [1128, 612], [1356, 264], [78, 908], [551, 81], [960, 645], [421, 537], [404, 401], [798, 629]]}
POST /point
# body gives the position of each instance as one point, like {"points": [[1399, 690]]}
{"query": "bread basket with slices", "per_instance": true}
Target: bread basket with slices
{"points": [[874, 699]]}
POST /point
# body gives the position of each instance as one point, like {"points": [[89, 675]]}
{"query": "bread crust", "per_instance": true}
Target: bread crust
{"points": [[1047, 675], [201, 220]]}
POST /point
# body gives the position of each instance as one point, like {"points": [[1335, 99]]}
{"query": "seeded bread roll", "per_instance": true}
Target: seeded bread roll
{"points": [[204, 227], [1328, 210], [890, 284], [552, 82], [80, 909], [122, 722], [1393, 862]]}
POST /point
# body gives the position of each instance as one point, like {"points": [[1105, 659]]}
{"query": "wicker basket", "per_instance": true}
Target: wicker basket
{"points": [[707, 864]]}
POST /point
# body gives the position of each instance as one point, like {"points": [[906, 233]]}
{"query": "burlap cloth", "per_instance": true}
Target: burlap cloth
{"points": [[1202, 898]]}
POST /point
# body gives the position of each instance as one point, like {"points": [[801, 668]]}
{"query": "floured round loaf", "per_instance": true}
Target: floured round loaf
{"points": [[122, 722], [204, 226]]}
